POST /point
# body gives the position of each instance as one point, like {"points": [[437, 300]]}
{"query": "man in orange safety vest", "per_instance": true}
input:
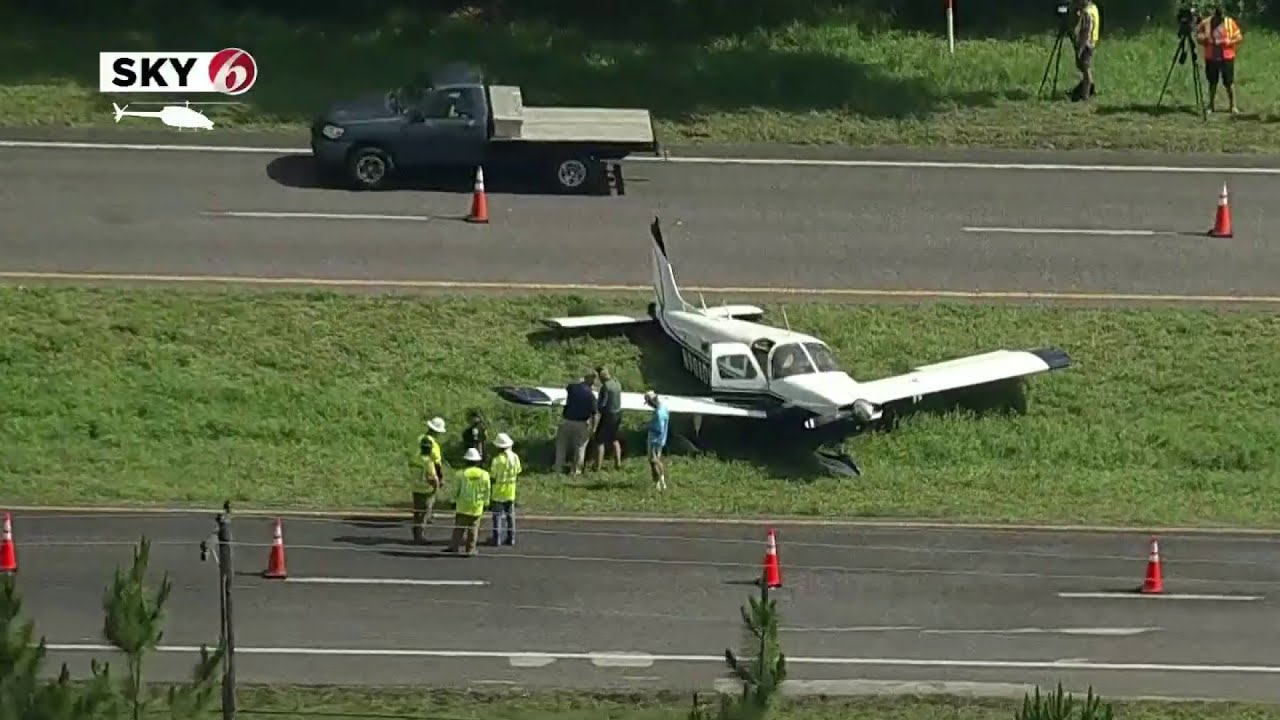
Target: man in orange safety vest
{"points": [[1220, 34]]}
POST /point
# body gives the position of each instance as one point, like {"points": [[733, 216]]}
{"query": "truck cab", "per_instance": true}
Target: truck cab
{"points": [[458, 121]]}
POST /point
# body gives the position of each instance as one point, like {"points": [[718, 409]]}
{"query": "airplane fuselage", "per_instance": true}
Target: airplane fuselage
{"points": [[760, 364]]}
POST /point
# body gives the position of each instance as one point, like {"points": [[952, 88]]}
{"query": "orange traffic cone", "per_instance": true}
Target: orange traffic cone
{"points": [[8, 554], [479, 201], [275, 561], [1222, 223], [772, 571], [1154, 583]]}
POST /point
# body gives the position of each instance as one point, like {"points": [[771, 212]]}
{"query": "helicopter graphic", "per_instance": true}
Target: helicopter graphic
{"points": [[178, 116]]}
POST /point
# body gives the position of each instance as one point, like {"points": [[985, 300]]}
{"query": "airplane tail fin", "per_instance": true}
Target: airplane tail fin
{"points": [[119, 111], [664, 279]]}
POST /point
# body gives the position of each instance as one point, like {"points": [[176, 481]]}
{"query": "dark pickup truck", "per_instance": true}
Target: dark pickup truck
{"points": [[456, 120]]}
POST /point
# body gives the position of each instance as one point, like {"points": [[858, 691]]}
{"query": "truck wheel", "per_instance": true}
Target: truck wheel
{"points": [[579, 175], [369, 168]]}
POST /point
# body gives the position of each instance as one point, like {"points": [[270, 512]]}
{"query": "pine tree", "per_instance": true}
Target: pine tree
{"points": [[134, 623], [763, 676], [23, 696]]}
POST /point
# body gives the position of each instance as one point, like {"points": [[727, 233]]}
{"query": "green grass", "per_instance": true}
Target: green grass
{"points": [[315, 400], [310, 703], [829, 83]]}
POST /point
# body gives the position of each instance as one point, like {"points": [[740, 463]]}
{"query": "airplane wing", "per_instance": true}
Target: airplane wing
{"points": [[741, 312], [678, 404], [964, 372]]}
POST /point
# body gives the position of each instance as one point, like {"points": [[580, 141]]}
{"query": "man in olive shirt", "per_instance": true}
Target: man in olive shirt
{"points": [[609, 405]]}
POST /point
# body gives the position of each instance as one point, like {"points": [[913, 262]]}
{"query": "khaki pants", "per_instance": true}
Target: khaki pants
{"points": [[572, 435], [424, 501], [466, 532]]}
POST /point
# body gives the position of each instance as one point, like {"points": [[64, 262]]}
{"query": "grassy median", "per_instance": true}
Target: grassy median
{"points": [[410, 704], [315, 399], [816, 82]]}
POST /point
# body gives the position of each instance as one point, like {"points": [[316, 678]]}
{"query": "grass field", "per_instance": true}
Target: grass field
{"points": [[309, 704], [316, 400], [831, 83]]}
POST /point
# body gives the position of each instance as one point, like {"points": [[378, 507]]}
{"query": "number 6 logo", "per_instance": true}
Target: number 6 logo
{"points": [[233, 71]]}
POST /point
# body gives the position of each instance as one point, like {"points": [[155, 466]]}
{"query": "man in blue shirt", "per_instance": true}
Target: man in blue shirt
{"points": [[657, 439]]}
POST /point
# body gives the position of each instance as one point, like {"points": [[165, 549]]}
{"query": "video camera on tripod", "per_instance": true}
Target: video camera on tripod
{"points": [[1188, 19], [1063, 11]]}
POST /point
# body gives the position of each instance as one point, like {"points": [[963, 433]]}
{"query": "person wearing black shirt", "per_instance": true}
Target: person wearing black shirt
{"points": [[475, 435], [576, 423]]}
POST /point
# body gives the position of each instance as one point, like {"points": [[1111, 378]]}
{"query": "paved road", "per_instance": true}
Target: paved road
{"points": [[779, 226], [657, 603]]}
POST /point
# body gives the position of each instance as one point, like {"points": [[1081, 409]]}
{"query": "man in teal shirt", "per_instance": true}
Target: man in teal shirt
{"points": [[657, 439]]}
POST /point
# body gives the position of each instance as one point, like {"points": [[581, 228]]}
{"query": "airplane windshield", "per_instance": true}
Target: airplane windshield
{"points": [[788, 360], [822, 357]]}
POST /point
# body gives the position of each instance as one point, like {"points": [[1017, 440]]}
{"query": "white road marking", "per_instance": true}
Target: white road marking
{"points": [[581, 287], [856, 628], [905, 164], [622, 659], [853, 687], [1098, 631], [594, 657], [262, 214], [1250, 534], [382, 581], [1061, 231], [530, 660], [1156, 596]]}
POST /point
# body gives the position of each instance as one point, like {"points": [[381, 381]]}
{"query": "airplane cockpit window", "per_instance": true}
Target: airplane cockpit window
{"points": [[823, 358], [789, 360], [735, 367]]}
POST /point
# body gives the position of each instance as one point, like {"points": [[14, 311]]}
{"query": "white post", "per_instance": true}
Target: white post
{"points": [[951, 25]]}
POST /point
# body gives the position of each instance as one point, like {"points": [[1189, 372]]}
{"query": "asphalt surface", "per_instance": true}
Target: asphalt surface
{"points": [[96, 211], [658, 603]]}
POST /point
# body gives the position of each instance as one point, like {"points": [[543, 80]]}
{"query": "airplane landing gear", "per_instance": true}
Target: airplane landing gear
{"points": [[838, 462]]}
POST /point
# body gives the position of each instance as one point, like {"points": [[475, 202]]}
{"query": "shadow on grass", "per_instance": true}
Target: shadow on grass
{"points": [[302, 172], [305, 67]]}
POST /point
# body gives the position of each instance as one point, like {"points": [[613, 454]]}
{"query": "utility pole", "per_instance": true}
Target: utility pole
{"points": [[227, 626]]}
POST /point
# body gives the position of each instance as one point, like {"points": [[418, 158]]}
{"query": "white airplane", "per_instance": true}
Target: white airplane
{"points": [[760, 372], [179, 116]]}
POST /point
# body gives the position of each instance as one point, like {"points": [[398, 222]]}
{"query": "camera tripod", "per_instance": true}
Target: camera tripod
{"points": [[1055, 61], [1186, 48]]}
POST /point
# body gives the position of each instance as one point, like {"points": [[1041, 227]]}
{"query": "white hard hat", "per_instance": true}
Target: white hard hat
{"points": [[436, 424], [503, 441], [471, 455]]}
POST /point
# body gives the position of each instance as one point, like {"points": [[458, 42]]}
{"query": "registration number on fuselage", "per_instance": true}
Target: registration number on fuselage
{"points": [[700, 368]]}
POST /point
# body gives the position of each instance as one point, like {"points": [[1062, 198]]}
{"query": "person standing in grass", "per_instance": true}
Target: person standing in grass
{"points": [[1220, 34], [1087, 32], [657, 438], [475, 434], [429, 480], [504, 470], [609, 406], [470, 501], [576, 423]]}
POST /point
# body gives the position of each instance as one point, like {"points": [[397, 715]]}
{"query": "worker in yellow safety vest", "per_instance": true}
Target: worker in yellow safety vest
{"points": [[1088, 30], [427, 482], [470, 501], [504, 470]]}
